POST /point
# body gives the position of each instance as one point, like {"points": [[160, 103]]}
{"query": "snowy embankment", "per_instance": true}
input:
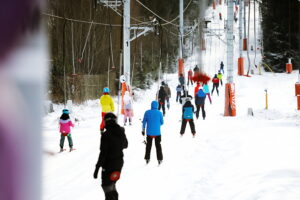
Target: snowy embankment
{"points": [[242, 157]]}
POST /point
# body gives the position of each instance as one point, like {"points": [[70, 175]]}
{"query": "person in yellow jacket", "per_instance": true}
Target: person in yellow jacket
{"points": [[220, 76], [107, 105]]}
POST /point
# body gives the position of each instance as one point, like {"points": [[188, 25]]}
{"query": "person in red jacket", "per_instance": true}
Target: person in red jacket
{"points": [[215, 81]]}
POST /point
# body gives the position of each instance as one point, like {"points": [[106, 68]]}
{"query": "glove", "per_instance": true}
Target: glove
{"points": [[96, 173], [143, 132]]}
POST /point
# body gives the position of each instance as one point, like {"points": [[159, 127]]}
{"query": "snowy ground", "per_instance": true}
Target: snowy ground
{"points": [[231, 158]]}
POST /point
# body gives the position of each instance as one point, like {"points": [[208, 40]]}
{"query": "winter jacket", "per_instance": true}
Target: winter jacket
{"points": [[187, 110], [196, 89], [206, 89], [215, 80], [107, 103], [153, 119], [127, 101], [200, 97], [181, 80], [113, 141], [162, 95], [179, 88], [167, 90], [184, 98], [65, 126], [220, 75]]}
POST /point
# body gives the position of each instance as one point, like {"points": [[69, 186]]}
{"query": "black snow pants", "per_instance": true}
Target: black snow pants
{"points": [[157, 145], [109, 179], [183, 126]]}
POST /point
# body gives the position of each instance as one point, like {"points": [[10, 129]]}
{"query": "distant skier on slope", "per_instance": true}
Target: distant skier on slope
{"points": [[162, 95], [207, 91], [168, 92], [200, 102], [127, 108], [178, 92], [153, 120], [187, 116], [220, 76], [215, 82], [113, 141], [65, 125], [107, 105]]}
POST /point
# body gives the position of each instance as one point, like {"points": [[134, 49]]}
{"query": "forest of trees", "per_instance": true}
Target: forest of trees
{"points": [[81, 50], [280, 24]]}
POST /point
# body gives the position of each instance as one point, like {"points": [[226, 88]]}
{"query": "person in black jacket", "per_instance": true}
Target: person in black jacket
{"points": [[113, 141], [162, 95]]}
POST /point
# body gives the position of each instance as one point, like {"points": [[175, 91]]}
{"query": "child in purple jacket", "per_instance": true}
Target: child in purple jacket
{"points": [[65, 123]]}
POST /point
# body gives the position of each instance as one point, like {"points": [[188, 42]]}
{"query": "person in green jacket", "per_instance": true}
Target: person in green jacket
{"points": [[220, 76]]}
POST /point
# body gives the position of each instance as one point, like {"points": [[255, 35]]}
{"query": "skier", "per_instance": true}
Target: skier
{"points": [[187, 116], [185, 97], [168, 92], [206, 91], [127, 108], [178, 92], [162, 95], [222, 67], [190, 76], [64, 127], [215, 81], [113, 141], [107, 105], [181, 81], [200, 102], [153, 119], [220, 76]]}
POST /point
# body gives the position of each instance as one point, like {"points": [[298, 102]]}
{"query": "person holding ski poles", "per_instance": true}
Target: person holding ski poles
{"points": [[215, 82], [113, 141], [187, 116], [153, 119]]}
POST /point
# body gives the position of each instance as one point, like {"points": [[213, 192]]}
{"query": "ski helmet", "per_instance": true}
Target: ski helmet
{"points": [[105, 90], [65, 111]]}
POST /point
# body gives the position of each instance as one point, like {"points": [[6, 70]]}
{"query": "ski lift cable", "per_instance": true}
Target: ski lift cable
{"points": [[89, 22], [167, 22], [86, 40]]}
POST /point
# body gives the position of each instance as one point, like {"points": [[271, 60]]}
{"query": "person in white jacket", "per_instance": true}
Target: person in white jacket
{"points": [[127, 108]]}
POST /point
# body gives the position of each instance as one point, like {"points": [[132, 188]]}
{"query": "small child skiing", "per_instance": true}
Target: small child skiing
{"points": [[65, 123], [187, 116], [127, 108]]}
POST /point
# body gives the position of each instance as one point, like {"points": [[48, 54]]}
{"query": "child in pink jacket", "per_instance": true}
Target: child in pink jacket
{"points": [[65, 123]]}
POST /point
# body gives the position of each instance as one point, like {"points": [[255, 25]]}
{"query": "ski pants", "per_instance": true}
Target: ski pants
{"points": [[190, 80], [157, 145], [109, 185], [198, 110], [162, 105], [127, 114], [215, 85], [208, 95], [178, 96], [183, 125], [62, 140]]}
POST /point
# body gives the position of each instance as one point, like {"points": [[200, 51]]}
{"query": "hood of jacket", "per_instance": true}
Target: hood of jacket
{"points": [[154, 105]]}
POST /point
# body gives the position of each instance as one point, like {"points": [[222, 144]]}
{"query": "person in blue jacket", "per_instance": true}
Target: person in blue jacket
{"points": [[187, 116], [153, 119], [200, 101]]}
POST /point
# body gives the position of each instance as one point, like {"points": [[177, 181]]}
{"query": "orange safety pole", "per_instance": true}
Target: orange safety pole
{"points": [[298, 102], [289, 66], [240, 66], [180, 66], [124, 89], [245, 47], [230, 108], [214, 5], [297, 88]]}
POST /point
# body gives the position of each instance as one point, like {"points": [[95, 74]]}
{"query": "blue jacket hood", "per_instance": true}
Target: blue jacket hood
{"points": [[154, 105]]}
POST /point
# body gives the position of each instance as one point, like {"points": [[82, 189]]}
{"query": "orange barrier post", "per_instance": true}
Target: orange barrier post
{"points": [[289, 66], [214, 5], [298, 102], [245, 47], [240, 66], [180, 66], [297, 89], [230, 108]]}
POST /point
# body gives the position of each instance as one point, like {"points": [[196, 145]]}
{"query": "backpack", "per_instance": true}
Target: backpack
{"points": [[188, 113], [200, 93]]}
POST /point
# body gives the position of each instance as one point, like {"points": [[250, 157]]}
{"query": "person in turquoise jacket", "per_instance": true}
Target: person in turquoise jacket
{"points": [[152, 121]]}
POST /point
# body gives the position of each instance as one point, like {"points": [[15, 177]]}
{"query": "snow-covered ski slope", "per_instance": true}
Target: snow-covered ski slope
{"points": [[231, 158]]}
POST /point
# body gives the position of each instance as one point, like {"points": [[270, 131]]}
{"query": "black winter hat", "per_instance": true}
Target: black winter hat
{"points": [[110, 116]]}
